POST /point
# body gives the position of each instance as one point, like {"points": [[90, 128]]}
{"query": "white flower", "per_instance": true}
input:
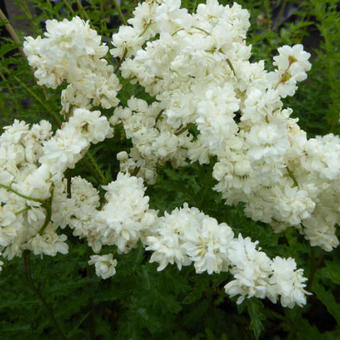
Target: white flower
{"points": [[256, 275], [290, 57], [208, 245], [288, 282], [71, 141], [105, 265], [126, 215], [64, 149], [251, 269], [267, 141], [292, 64], [166, 240], [48, 243], [71, 51], [94, 127]]}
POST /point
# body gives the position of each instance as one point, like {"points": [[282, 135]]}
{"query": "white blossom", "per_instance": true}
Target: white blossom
{"points": [[72, 51], [105, 265]]}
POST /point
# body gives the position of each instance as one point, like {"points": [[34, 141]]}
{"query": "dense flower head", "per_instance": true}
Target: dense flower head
{"points": [[24, 186], [32, 187], [72, 51], [188, 236], [126, 215], [209, 102]]}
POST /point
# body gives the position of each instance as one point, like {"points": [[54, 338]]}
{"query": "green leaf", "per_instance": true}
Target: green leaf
{"points": [[255, 308], [331, 271], [307, 331], [328, 299]]}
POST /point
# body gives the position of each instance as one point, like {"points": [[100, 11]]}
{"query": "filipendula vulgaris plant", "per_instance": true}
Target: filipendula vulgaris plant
{"points": [[197, 69]]}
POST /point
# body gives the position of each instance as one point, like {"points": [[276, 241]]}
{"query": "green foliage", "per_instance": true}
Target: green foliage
{"points": [[139, 302]]}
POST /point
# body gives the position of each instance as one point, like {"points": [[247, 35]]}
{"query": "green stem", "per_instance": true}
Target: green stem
{"points": [[21, 195], [120, 61], [96, 167], [27, 10], [82, 9], [291, 175], [3, 78], [22, 211], [47, 206], [231, 66], [69, 334], [48, 3], [180, 29], [69, 7], [146, 28], [8, 86], [159, 115], [201, 29], [120, 13], [49, 110], [277, 315], [283, 6], [315, 265], [135, 171], [268, 13], [103, 21], [206, 186], [68, 183], [183, 129], [11, 31], [126, 81], [194, 7], [91, 324], [48, 308]]}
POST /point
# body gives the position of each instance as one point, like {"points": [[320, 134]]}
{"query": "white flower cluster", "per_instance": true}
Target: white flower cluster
{"points": [[154, 141], [188, 236], [212, 101], [71, 142], [22, 219], [73, 52], [32, 163], [121, 221], [36, 201], [183, 237], [126, 216]]}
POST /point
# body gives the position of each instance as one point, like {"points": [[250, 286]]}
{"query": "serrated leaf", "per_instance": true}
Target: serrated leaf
{"points": [[331, 271], [307, 331], [254, 308], [328, 299]]}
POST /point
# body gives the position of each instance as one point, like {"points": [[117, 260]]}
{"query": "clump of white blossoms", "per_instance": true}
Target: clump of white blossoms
{"points": [[31, 222], [123, 219], [72, 51], [188, 236], [32, 164], [210, 101]]}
